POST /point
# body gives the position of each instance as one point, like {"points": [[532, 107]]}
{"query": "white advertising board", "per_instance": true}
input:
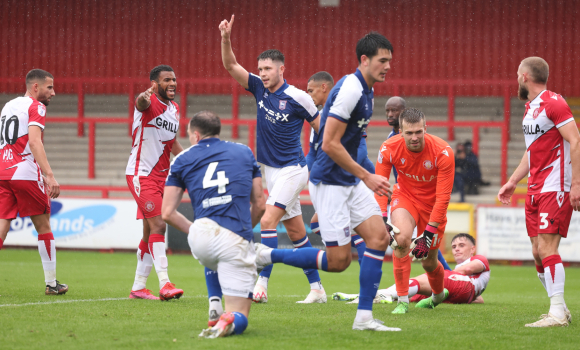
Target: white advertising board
{"points": [[84, 223], [502, 235]]}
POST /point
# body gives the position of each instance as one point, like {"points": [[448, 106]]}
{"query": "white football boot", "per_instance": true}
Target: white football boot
{"points": [[315, 296], [549, 321], [373, 325]]}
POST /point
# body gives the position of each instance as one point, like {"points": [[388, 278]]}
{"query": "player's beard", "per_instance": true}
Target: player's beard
{"points": [[163, 94], [523, 93]]}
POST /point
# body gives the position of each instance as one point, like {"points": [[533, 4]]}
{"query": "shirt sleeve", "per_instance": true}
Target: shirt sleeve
{"points": [[346, 100], [445, 176], [383, 168], [305, 107], [254, 83], [559, 112], [483, 260], [174, 176], [36, 114]]}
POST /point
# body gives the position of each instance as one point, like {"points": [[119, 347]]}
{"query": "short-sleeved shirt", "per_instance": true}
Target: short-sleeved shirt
{"points": [[154, 131], [425, 177], [16, 159], [479, 280], [218, 176], [351, 102], [548, 152], [281, 115]]}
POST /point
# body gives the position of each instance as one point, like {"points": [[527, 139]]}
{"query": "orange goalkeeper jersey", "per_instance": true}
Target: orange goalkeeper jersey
{"points": [[425, 177]]}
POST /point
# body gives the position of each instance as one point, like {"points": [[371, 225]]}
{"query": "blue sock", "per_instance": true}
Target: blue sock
{"points": [[306, 258], [442, 261], [311, 274], [269, 239], [240, 322], [213, 284], [314, 227], [357, 242], [370, 277]]}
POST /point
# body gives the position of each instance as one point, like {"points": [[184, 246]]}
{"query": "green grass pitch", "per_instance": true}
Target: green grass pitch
{"points": [[84, 319]]}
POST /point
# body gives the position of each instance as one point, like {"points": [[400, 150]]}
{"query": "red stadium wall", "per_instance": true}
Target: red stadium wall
{"points": [[432, 39]]}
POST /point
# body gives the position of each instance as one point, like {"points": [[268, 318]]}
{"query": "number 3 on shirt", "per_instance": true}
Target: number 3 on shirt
{"points": [[221, 180]]}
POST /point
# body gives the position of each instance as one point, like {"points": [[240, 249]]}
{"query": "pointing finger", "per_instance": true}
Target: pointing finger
{"points": [[232, 21]]}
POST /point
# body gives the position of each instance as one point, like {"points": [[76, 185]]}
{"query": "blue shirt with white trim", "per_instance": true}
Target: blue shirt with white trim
{"points": [[281, 115], [218, 176], [362, 153], [350, 101]]}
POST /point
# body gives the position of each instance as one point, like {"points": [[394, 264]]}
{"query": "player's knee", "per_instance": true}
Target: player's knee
{"points": [[339, 263], [403, 241]]}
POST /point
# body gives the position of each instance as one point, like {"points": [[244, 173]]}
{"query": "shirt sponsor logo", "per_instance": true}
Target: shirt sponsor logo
{"points": [[164, 124], [417, 178], [532, 129], [282, 105], [428, 165], [273, 116], [211, 202]]}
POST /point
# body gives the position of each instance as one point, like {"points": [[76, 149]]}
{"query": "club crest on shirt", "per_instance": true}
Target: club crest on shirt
{"points": [[265, 94], [395, 202], [428, 165], [560, 198], [282, 105], [149, 206], [536, 113]]}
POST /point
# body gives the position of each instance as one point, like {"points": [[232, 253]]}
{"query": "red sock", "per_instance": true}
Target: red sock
{"points": [[1, 243], [402, 272], [436, 279]]}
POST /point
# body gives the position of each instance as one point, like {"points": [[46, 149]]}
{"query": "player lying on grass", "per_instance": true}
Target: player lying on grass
{"points": [[465, 283], [224, 183], [24, 190], [281, 112]]}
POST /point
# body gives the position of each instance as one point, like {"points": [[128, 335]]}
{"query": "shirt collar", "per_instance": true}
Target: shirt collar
{"points": [[282, 88], [209, 141], [362, 81], [538, 97]]}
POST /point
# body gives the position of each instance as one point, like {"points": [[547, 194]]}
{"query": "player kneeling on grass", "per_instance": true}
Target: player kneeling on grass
{"points": [[465, 283], [24, 190], [223, 180]]}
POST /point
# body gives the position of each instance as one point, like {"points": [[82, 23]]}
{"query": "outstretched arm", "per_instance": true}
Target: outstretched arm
{"points": [[171, 198], [229, 60]]}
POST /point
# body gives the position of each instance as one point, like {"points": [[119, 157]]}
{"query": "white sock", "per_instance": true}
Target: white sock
{"points": [[159, 257], [542, 279], [555, 279], [403, 299], [144, 265], [47, 252], [437, 298], [392, 291], [263, 281], [215, 303], [363, 315], [316, 286]]}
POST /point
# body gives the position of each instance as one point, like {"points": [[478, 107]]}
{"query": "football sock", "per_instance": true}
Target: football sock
{"points": [[306, 258], [541, 276], [402, 272], [269, 239], [370, 277], [212, 282], [555, 278], [442, 261], [157, 250], [47, 252], [413, 287], [311, 274], [436, 281], [144, 264], [240, 322], [363, 315], [315, 228], [357, 242], [1, 243]]}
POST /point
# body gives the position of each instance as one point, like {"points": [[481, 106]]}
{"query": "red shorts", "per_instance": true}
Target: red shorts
{"points": [[420, 214], [148, 194], [23, 197], [461, 290], [548, 212]]}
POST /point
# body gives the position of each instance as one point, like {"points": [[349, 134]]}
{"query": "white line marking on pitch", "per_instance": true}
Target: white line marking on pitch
{"points": [[107, 299]]}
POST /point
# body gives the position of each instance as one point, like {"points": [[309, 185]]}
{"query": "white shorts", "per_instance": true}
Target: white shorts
{"points": [[221, 250], [284, 187], [341, 209]]}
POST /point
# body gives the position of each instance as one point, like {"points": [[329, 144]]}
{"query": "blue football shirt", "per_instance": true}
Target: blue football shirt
{"points": [[218, 176], [281, 115], [362, 153], [350, 101]]}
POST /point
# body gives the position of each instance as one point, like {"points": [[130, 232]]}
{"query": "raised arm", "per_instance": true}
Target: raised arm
{"points": [[228, 58], [37, 149], [144, 99]]}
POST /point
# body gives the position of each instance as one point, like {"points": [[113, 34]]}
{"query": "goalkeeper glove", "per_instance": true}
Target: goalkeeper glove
{"points": [[421, 245], [391, 230]]}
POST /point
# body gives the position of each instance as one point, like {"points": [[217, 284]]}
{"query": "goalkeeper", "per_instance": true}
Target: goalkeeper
{"points": [[426, 168]]}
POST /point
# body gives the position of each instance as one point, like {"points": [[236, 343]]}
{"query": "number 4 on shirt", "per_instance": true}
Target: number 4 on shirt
{"points": [[221, 180]]}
